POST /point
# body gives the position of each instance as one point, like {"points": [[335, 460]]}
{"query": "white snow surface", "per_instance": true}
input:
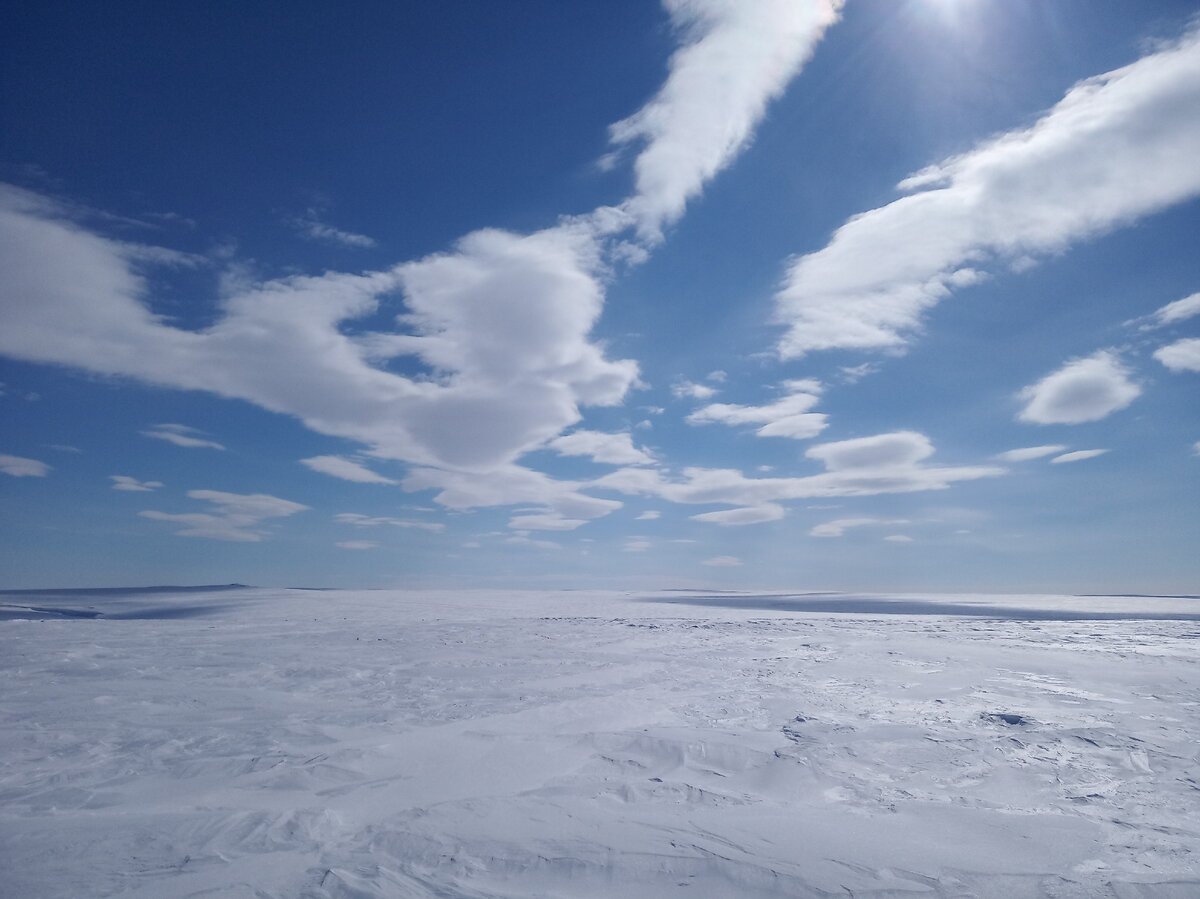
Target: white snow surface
{"points": [[255, 743]]}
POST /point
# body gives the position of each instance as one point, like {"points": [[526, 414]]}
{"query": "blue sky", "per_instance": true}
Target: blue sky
{"points": [[896, 295]]}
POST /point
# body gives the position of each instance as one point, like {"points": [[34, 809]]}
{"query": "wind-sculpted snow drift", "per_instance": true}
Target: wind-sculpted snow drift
{"points": [[321, 744]]}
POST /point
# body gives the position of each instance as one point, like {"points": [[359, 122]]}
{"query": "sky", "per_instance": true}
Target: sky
{"points": [[888, 295]]}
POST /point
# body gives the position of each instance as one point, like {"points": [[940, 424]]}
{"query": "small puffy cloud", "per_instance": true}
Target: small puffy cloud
{"points": [[1117, 147], [1078, 456], [718, 375], [636, 545], [232, 516], [20, 467], [1196, 448], [606, 448], [839, 527], [356, 544], [1028, 453], [898, 538], [181, 435], [1182, 355], [746, 515], [346, 469], [899, 449], [788, 416], [691, 390], [651, 515], [311, 226], [373, 521], [722, 562], [1083, 390], [133, 485]]}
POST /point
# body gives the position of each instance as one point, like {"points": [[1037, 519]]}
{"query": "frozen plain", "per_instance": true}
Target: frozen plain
{"points": [[319, 744]]}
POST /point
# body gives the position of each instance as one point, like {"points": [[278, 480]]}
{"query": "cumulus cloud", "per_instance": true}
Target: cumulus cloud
{"points": [[1087, 389], [1025, 454], [636, 545], [898, 538], [838, 527], [734, 59], [346, 469], [232, 516], [1078, 456], [788, 416], [356, 544], [181, 435], [651, 515], [1182, 355], [722, 562], [501, 324], [133, 485], [610, 449], [20, 467], [746, 515], [373, 521], [1117, 147], [311, 226], [691, 390]]}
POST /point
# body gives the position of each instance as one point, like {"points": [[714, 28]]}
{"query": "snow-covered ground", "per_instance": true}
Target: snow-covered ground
{"points": [[291, 743]]}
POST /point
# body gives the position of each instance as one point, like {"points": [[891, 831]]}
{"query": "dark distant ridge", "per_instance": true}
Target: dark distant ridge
{"points": [[121, 591]]}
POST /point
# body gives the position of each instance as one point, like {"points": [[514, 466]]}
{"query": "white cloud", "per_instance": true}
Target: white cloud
{"points": [[1078, 456], [346, 469], [1178, 311], [356, 544], [717, 375], [691, 390], [898, 538], [839, 527], [651, 515], [735, 58], [1028, 453], [526, 540], [610, 449], [788, 416], [1182, 355], [543, 521], [373, 521], [20, 467], [746, 515], [1087, 389], [1196, 448], [133, 485], [181, 435], [510, 486], [311, 226], [636, 545], [1116, 148], [722, 562], [867, 466], [499, 326], [233, 516]]}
